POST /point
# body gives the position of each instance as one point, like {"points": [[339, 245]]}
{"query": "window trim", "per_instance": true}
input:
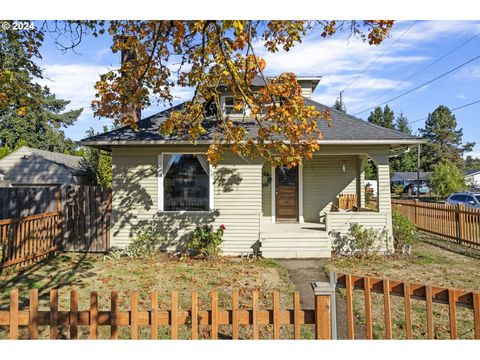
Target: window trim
{"points": [[160, 195]]}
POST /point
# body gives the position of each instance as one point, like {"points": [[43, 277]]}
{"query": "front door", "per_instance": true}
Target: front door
{"points": [[286, 190]]}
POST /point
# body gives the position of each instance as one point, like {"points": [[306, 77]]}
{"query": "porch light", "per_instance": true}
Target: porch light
{"points": [[344, 163]]}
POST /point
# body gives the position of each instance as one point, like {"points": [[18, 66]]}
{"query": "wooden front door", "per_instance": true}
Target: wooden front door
{"points": [[286, 190]]}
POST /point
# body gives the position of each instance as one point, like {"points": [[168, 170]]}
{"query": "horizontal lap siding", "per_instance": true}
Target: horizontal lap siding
{"points": [[237, 200], [323, 180]]}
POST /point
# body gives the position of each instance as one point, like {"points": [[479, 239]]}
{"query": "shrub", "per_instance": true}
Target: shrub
{"points": [[398, 189], [358, 241], [446, 178], [404, 232], [205, 241], [145, 244]]}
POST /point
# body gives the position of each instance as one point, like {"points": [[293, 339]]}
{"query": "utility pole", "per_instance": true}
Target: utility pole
{"points": [[418, 170]]}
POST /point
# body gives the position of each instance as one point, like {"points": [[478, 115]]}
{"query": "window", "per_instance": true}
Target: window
{"points": [[185, 183], [460, 198], [229, 106]]}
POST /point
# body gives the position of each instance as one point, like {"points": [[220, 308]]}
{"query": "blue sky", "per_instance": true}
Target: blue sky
{"points": [[338, 60]]}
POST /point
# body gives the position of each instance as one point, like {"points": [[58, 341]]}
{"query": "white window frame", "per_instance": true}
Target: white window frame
{"points": [[161, 188], [224, 107]]}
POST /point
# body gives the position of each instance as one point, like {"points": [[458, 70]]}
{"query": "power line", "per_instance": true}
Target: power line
{"points": [[422, 85], [454, 109], [380, 56], [421, 70]]}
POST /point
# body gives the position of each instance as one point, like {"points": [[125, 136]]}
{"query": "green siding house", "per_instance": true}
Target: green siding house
{"points": [[167, 182]]}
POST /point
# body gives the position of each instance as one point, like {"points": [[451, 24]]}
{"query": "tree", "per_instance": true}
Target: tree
{"points": [[97, 163], [472, 163], [340, 106], [446, 178], [383, 117], [39, 125], [444, 139], [406, 160], [211, 56]]}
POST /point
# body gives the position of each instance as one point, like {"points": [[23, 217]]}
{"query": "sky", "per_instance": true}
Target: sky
{"points": [[369, 75]]}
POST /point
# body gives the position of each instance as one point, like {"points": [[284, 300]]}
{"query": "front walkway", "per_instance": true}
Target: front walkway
{"points": [[303, 272]]}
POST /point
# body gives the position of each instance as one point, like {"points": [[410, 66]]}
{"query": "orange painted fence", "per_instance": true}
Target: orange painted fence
{"points": [[451, 299], [152, 316], [451, 221]]}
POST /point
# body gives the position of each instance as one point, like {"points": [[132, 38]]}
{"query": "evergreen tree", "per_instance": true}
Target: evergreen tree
{"points": [[407, 159], [383, 117], [340, 106], [39, 125], [444, 140], [472, 163]]}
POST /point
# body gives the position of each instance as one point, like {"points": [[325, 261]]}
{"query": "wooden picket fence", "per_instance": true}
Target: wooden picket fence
{"points": [[134, 318], [453, 298], [30, 238], [455, 222], [347, 201]]}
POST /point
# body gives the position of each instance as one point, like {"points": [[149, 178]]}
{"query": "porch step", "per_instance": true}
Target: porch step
{"points": [[295, 247]]}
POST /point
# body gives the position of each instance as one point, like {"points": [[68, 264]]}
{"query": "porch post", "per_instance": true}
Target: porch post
{"points": [[300, 193], [273, 183], [360, 184]]}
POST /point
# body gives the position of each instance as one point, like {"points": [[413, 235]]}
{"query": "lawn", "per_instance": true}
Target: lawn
{"points": [[89, 272], [434, 262]]}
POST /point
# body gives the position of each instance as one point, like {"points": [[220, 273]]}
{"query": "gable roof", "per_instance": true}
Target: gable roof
{"points": [[344, 129], [74, 164]]}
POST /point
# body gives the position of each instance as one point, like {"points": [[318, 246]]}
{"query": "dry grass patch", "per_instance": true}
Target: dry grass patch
{"points": [[89, 272], [446, 266]]}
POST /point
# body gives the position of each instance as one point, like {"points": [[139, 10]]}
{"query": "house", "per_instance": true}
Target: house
{"points": [[167, 182], [406, 178], [27, 166], [472, 177]]}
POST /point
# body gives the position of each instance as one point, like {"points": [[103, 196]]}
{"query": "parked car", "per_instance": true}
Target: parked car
{"points": [[467, 198], [412, 189]]}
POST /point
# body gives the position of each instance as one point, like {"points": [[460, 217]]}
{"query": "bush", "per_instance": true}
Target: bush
{"points": [[446, 179], [398, 189], [145, 244], [358, 242], [404, 232], [205, 241]]}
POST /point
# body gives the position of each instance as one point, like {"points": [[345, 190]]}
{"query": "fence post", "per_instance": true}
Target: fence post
{"points": [[60, 240], [415, 204], [325, 320], [457, 222]]}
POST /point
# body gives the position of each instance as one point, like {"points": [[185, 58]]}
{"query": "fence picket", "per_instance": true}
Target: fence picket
{"points": [[276, 316], [33, 314], [387, 309], [214, 322], [368, 307], [451, 313], [476, 314], [93, 315], [235, 314], [195, 315], [53, 314], [114, 315], [154, 316], [134, 315], [429, 309], [74, 314], [174, 316], [255, 310], [13, 319], [296, 315], [350, 323], [408, 310]]}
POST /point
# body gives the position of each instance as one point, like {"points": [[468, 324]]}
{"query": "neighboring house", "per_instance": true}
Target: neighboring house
{"points": [[168, 183], [406, 178], [472, 177], [32, 167]]}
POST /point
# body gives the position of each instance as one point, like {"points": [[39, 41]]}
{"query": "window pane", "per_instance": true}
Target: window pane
{"points": [[229, 101], [477, 197], [286, 176], [186, 184]]}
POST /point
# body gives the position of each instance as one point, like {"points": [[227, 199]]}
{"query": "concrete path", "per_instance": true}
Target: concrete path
{"points": [[303, 272]]}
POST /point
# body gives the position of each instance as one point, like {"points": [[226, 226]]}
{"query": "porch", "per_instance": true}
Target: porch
{"points": [[309, 199]]}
